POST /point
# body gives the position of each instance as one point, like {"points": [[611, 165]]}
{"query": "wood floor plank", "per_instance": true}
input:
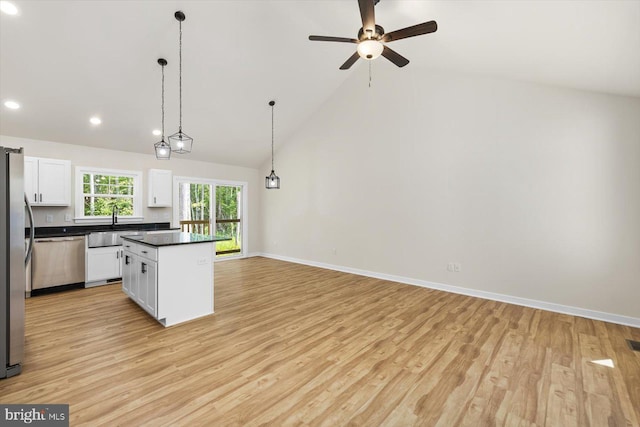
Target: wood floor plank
{"points": [[297, 345]]}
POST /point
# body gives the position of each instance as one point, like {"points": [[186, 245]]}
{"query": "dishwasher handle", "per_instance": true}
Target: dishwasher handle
{"points": [[59, 239]]}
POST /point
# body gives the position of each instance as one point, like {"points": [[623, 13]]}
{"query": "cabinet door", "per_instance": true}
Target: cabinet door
{"points": [[141, 272], [31, 179], [54, 182], [151, 302], [127, 276], [103, 263], [160, 185]]}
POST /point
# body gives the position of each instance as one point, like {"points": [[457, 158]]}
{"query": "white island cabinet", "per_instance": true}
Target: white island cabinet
{"points": [[170, 275]]}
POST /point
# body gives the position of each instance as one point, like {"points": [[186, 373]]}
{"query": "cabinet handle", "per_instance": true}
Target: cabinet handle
{"points": [[118, 255], [144, 268], [144, 252], [35, 197], [126, 259], [41, 197], [154, 200], [121, 254]]}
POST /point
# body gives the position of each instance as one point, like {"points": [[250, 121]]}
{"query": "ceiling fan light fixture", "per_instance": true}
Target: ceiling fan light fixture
{"points": [[370, 49]]}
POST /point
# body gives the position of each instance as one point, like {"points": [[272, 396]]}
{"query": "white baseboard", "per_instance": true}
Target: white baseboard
{"points": [[542, 305], [231, 258]]}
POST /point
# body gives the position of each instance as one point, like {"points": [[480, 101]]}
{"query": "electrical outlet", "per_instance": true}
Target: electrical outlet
{"points": [[450, 266], [202, 261], [165, 215], [457, 267], [154, 216], [49, 219]]}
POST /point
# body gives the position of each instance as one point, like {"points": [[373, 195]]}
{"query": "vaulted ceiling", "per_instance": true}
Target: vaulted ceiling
{"points": [[66, 61]]}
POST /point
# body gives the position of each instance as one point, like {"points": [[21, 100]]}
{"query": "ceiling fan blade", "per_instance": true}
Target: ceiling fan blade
{"points": [[332, 39], [368, 15], [352, 60], [416, 30], [394, 57]]}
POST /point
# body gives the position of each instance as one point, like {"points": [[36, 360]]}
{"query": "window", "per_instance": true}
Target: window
{"points": [[100, 191]]}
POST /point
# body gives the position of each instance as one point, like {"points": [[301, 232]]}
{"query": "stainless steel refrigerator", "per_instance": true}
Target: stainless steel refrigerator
{"points": [[13, 260]]}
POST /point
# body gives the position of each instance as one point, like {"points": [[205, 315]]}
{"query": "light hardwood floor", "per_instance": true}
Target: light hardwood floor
{"points": [[297, 345]]}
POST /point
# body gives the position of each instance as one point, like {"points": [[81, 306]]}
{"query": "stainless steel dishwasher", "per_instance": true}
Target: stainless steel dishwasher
{"points": [[57, 261]]}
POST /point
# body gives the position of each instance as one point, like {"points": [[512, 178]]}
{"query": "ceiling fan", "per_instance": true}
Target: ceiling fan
{"points": [[372, 38]]}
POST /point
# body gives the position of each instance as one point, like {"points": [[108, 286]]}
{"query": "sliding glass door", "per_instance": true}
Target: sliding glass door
{"points": [[195, 207], [198, 212], [229, 219]]}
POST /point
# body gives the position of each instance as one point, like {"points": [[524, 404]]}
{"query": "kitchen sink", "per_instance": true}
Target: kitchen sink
{"points": [[100, 239]]}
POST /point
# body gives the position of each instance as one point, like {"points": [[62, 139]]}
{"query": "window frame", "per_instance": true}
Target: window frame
{"points": [[80, 217]]}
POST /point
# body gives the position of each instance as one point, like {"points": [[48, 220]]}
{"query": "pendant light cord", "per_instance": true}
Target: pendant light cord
{"points": [[163, 103], [272, 138], [180, 78]]}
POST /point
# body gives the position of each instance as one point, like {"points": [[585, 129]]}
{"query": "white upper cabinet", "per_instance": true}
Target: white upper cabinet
{"points": [[160, 185], [47, 182]]}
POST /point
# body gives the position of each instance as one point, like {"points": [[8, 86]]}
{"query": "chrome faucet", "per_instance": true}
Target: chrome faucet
{"points": [[114, 215]]}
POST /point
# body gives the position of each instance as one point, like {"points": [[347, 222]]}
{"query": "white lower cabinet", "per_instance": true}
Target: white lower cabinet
{"points": [[140, 280], [148, 285], [103, 264], [129, 279]]}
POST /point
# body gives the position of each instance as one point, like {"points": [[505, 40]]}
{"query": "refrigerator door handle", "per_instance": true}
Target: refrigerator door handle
{"points": [[31, 230]]}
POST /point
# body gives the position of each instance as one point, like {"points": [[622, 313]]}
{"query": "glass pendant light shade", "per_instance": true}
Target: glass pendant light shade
{"points": [[272, 182], [180, 142], [163, 150]]}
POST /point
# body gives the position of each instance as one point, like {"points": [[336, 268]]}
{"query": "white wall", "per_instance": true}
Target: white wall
{"points": [[97, 157], [534, 189]]}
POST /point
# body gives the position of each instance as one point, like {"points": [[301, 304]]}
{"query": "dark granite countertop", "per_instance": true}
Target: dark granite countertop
{"points": [[172, 238], [82, 230]]}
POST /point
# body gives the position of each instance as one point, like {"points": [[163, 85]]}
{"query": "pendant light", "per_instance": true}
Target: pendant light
{"points": [[272, 182], [163, 149], [180, 142]]}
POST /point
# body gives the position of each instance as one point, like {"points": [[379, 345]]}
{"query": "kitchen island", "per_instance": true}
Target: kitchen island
{"points": [[170, 275]]}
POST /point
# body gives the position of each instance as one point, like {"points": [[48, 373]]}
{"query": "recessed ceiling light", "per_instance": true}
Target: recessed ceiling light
{"points": [[8, 8], [157, 132], [12, 104], [95, 120]]}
